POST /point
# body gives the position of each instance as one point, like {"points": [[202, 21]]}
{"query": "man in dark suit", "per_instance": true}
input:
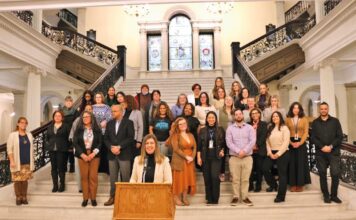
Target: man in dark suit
{"points": [[119, 140]]}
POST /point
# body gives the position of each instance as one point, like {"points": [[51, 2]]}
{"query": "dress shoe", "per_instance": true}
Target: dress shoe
{"points": [[18, 201], [299, 189], [55, 188], [327, 199], [94, 203], [293, 189], [335, 199], [61, 188], [84, 203], [278, 200], [109, 202], [247, 202], [234, 201]]}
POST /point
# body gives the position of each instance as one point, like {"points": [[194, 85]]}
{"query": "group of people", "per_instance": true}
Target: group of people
{"points": [[144, 140]]}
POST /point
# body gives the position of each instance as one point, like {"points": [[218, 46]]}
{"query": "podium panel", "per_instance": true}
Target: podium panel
{"points": [[136, 201]]}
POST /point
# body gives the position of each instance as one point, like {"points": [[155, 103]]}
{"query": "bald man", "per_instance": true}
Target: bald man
{"points": [[119, 139]]}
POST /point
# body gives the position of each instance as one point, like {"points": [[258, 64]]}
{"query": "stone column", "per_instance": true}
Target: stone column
{"points": [[33, 97], [82, 21], [37, 20], [217, 51], [319, 10], [327, 85], [284, 95], [143, 55], [165, 51], [281, 20], [196, 60]]}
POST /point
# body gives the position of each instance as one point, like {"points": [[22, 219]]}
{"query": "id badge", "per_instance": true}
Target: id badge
{"points": [[211, 144]]}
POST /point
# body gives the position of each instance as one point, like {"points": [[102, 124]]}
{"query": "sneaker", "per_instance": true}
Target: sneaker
{"points": [[247, 202], [234, 201], [336, 199]]}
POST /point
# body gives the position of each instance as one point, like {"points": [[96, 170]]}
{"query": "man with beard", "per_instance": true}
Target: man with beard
{"points": [[240, 139]]}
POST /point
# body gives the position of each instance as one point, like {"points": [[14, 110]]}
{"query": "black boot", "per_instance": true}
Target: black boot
{"points": [[62, 182], [55, 183]]}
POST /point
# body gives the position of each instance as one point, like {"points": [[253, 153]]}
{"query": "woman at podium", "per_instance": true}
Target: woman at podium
{"points": [[151, 166]]}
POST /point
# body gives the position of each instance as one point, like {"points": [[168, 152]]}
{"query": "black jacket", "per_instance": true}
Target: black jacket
{"points": [[125, 138], [203, 142], [60, 139], [261, 138], [78, 142], [325, 133]]}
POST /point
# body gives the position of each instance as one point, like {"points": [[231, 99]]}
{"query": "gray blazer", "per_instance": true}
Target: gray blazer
{"points": [[136, 118]]}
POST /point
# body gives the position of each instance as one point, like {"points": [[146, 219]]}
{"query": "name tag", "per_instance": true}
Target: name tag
{"points": [[211, 144]]}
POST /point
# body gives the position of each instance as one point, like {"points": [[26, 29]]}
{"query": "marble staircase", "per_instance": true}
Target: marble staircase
{"points": [[67, 205]]}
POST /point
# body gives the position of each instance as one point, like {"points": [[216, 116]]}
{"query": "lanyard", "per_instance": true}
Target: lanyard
{"points": [[211, 134]]}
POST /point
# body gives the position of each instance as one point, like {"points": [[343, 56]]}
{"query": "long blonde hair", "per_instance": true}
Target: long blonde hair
{"points": [[157, 154]]}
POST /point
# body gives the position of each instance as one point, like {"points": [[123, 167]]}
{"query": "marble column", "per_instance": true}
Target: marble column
{"points": [[37, 20], [217, 51], [33, 97], [319, 10], [280, 13], [327, 85], [196, 62], [143, 57], [165, 51], [284, 95]]}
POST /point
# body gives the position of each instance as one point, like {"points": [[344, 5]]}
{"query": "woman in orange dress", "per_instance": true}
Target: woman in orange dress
{"points": [[183, 166]]}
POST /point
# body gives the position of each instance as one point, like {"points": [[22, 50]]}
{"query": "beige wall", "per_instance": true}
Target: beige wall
{"points": [[244, 23], [289, 4]]}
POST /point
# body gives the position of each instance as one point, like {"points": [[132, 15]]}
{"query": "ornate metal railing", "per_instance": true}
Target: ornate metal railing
{"points": [[240, 68], [297, 10], [106, 80], [348, 162], [25, 16], [68, 17], [276, 38], [330, 5], [80, 43]]}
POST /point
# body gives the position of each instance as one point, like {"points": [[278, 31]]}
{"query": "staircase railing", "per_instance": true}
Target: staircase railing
{"points": [[240, 68], [297, 10], [348, 163], [330, 5], [80, 43], [68, 17], [106, 80], [25, 16], [276, 38]]}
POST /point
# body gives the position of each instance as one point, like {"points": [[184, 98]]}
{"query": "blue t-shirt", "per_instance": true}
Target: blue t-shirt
{"points": [[161, 127]]}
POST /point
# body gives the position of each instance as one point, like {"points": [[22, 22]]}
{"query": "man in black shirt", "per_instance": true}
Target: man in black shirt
{"points": [[327, 137]]}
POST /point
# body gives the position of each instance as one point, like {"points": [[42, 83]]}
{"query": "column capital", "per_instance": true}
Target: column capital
{"points": [[217, 29], [330, 62], [34, 70], [164, 30], [286, 86], [196, 29]]}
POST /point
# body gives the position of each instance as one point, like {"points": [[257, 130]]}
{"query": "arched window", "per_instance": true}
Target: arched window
{"points": [[180, 43]]}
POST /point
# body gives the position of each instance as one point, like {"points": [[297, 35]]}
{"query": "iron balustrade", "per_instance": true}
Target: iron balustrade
{"points": [[80, 43], [276, 38], [329, 5], [68, 17], [297, 10], [25, 16]]}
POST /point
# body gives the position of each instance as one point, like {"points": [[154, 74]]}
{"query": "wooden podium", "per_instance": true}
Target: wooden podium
{"points": [[143, 201]]}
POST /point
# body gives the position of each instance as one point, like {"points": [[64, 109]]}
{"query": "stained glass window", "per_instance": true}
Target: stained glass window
{"points": [[180, 43], [154, 53], [206, 52]]}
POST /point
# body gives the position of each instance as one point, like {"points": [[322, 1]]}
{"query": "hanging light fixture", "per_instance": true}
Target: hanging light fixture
{"points": [[219, 7], [137, 10]]}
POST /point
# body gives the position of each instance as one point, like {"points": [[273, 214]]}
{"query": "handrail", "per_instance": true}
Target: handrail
{"points": [[296, 10], [248, 70], [348, 147], [276, 38]]}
